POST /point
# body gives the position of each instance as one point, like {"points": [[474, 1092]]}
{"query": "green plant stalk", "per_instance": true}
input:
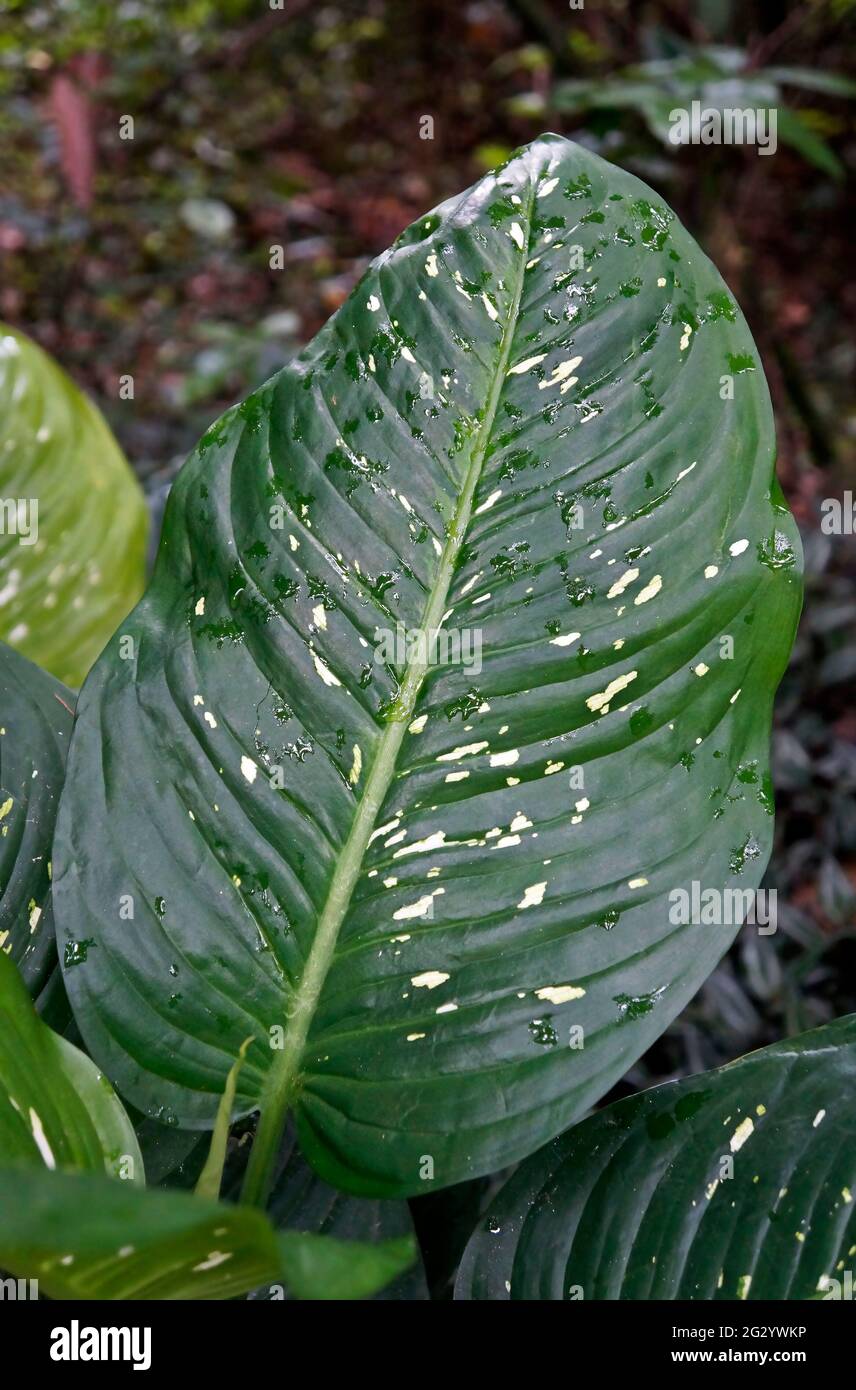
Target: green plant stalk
{"points": [[285, 1077]]}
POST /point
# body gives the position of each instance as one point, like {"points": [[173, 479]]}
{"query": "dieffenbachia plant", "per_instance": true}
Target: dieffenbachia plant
{"points": [[734, 1184], [457, 661], [73, 532]]}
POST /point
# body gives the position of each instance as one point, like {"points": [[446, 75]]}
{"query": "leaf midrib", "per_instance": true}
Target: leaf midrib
{"points": [[284, 1076]]}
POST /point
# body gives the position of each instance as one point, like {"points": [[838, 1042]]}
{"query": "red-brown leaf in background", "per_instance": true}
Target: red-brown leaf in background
{"points": [[71, 111]]}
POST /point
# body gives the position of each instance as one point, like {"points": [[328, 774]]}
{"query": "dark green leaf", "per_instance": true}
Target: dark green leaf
{"points": [[172, 1157], [36, 714], [736, 1183], [541, 424], [444, 1221], [322, 1267]]}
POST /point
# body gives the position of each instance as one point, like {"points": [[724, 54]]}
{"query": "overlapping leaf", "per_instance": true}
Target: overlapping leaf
{"points": [[72, 542], [56, 1107], [737, 1183], [540, 425], [36, 714], [89, 1238]]}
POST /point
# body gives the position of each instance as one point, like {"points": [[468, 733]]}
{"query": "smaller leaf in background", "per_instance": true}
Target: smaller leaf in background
{"points": [[719, 79], [36, 715], [444, 1222], [324, 1267], [70, 109], [761, 967], [837, 893], [733, 1184], [72, 517], [229, 357], [839, 665], [794, 131], [489, 156], [129, 1243], [832, 84], [56, 1108], [792, 766], [172, 1157]]}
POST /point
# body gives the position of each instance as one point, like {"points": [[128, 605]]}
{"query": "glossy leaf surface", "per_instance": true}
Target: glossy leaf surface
{"points": [[415, 872], [36, 714], [737, 1183]]}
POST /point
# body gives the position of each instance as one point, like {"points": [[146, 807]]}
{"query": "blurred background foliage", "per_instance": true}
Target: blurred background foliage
{"points": [[300, 125]]}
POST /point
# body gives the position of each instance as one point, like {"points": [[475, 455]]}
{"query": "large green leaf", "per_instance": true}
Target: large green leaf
{"points": [[72, 566], [36, 714], [56, 1108], [88, 1238], [737, 1183], [427, 876]]}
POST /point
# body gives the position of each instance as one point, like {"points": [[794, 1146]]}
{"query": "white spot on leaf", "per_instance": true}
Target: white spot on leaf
{"points": [[651, 588], [429, 979], [533, 895], [560, 994], [600, 701]]}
